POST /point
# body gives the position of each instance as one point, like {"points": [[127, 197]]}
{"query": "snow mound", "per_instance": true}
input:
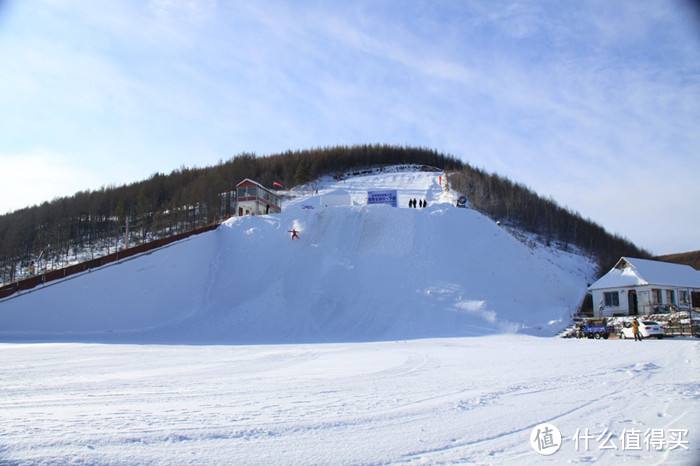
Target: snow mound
{"points": [[358, 273]]}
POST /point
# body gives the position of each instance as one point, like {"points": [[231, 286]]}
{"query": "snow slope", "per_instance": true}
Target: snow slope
{"points": [[358, 273], [450, 401]]}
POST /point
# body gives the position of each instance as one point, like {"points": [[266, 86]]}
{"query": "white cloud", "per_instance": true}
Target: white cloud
{"points": [[38, 176], [478, 308]]}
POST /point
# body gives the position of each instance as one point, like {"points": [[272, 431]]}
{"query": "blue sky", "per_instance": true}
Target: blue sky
{"points": [[595, 104]]}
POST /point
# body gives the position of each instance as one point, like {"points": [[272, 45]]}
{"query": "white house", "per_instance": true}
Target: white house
{"points": [[252, 198], [641, 286]]}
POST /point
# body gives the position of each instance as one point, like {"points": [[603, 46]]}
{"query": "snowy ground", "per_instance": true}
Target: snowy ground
{"points": [[466, 400]]}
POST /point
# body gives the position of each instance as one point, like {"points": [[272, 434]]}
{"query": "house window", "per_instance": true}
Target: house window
{"points": [[670, 297], [655, 296], [250, 191], [683, 297], [612, 299]]}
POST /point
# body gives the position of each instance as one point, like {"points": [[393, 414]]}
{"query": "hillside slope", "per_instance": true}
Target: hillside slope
{"points": [[358, 273], [91, 224], [691, 258]]}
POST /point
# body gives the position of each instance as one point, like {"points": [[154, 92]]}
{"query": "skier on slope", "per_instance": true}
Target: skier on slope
{"points": [[295, 233]]}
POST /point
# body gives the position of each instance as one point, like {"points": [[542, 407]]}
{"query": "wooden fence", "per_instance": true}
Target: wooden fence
{"points": [[677, 329], [31, 282]]}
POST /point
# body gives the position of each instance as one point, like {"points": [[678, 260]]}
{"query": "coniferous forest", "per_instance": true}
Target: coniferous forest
{"points": [[95, 222]]}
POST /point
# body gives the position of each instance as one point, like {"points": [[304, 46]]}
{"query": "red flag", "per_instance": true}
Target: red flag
{"points": [[277, 184]]}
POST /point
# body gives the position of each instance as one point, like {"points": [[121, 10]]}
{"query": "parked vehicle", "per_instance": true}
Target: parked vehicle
{"points": [[594, 328], [647, 328]]}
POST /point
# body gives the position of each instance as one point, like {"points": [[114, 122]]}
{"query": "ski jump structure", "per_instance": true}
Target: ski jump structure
{"points": [[58, 274]]}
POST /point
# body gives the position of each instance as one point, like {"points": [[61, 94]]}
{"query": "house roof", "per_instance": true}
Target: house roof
{"points": [[248, 180], [630, 271]]}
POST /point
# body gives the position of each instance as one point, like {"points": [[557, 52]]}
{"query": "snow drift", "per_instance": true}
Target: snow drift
{"points": [[358, 273]]}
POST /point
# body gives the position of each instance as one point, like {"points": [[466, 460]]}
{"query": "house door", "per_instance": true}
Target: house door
{"points": [[695, 298], [632, 303]]}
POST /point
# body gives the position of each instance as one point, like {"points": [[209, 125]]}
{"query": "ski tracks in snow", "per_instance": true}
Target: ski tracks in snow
{"points": [[470, 400]]}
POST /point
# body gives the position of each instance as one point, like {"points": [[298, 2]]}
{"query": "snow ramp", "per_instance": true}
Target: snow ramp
{"points": [[357, 273]]}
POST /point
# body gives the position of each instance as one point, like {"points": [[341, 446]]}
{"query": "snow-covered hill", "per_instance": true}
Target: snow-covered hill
{"points": [[359, 272]]}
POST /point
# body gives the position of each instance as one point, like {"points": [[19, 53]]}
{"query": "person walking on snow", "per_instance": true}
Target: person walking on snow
{"points": [[635, 330], [295, 233]]}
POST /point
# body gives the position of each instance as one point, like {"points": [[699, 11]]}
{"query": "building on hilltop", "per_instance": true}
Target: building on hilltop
{"points": [[252, 198], [641, 287]]}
